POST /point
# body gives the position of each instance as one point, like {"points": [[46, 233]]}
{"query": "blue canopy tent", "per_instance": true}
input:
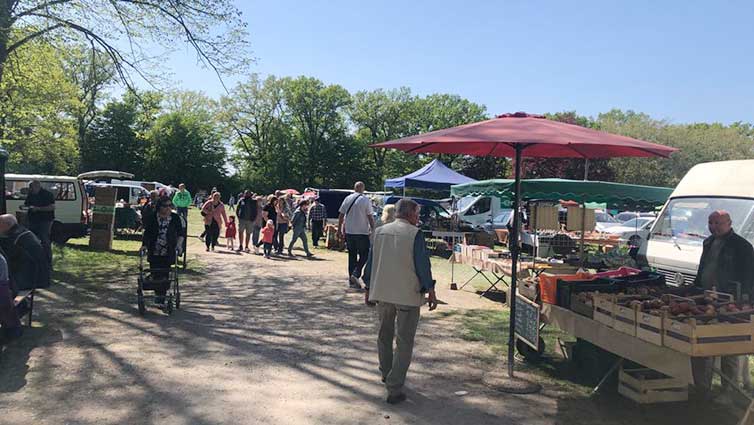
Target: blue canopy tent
{"points": [[435, 175]]}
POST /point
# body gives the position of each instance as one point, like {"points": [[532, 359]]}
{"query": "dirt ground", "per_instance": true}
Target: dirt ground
{"points": [[256, 342]]}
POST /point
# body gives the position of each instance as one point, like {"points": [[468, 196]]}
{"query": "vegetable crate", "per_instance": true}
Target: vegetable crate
{"points": [[733, 334], [649, 386], [649, 327], [624, 318], [604, 306]]}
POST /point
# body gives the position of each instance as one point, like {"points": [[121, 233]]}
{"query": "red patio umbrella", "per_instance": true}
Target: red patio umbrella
{"points": [[523, 135]]}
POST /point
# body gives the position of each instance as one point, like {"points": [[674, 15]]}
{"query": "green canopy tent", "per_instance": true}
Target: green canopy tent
{"points": [[626, 197]]}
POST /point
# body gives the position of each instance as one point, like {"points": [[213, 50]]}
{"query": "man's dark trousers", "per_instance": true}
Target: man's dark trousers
{"points": [[318, 227], [42, 230], [358, 251]]}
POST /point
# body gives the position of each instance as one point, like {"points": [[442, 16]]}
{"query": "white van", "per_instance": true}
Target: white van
{"points": [[130, 193], [674, 244], [71, 203], [476, 211]]}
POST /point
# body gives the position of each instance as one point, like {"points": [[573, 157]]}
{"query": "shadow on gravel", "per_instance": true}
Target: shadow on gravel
{"points": [[309, 324]]}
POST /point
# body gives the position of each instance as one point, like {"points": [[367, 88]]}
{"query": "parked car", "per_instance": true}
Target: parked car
{"points": [[630, 215], [634, 232], [432, 215], [504, 220], [604, 221]]}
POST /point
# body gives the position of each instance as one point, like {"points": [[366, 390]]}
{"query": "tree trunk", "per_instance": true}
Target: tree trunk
{"points": [[5, 25]]}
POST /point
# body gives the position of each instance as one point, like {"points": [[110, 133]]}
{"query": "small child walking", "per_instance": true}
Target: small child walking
{"points": [[230, 232], [268, 234]]}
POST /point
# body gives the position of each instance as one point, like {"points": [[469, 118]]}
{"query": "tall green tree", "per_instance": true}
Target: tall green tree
{"points": [[438, 111], [382, 115], [35, 103], [112, 142], [91, 72], [697, 143], [255, 121], [185, 147], [316, 114]]}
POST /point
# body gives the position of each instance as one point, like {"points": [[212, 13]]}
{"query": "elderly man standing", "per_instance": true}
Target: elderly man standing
{"points": [[40, 203], [727, 265], [398, 274], [357, 222]]}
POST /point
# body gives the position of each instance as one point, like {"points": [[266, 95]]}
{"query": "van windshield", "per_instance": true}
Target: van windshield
{"points": [[464, 202], [685, 219]]}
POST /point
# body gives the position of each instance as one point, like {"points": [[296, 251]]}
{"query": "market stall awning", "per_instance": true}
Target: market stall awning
{"points": [[434, 175], [615, 195]]}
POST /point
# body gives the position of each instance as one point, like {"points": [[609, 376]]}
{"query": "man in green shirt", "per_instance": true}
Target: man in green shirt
{"points": [[182, 200]]}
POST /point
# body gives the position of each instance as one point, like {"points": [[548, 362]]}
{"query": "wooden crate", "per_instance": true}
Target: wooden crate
{"points": [[604, 306], [649, 327], [624, 319], [719, 339], [649, 386], [583, 308]]}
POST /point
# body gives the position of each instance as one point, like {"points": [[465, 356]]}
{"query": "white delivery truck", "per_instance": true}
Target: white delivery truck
{"points": [[674, 244]]}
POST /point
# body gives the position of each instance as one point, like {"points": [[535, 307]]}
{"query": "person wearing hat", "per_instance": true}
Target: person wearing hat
{"points": [[317, 220]]}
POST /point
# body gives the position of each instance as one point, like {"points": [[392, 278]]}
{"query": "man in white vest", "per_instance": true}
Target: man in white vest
{"points": [[398, 274]]}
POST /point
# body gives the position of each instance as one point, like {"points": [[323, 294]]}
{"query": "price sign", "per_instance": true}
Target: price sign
{"points": [[527, 322]]}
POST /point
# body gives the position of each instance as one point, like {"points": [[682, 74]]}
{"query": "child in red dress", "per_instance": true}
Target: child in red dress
{"points": [[230, 232]]}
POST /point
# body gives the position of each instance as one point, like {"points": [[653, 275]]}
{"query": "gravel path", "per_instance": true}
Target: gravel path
{"points": [[257, 341]]}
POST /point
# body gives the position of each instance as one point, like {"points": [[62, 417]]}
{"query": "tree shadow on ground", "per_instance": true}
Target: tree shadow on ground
{"points": [[304, 323]]}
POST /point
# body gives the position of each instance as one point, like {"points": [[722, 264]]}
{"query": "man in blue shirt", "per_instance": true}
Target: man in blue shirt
{"points": [[398, 274]]}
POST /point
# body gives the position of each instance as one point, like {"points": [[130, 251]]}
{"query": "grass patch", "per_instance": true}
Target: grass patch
{"points": [[490, 327], [77, 263]]}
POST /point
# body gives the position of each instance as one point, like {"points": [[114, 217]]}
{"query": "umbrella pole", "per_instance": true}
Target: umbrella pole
{"points": [[583, 230], [515, 248]]}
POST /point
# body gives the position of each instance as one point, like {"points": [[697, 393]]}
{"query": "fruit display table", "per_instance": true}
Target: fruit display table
{"points": [[662, 359]]}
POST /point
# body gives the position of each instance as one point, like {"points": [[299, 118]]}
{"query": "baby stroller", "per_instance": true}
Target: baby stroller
{"points": [[156, 279]]}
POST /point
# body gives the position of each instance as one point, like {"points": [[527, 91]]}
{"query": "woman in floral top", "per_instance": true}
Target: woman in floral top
{"points": [[163, 239]]}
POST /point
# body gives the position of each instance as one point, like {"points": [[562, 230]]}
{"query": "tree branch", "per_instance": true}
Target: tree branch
{"points": [[32, 36], [40, 7]]}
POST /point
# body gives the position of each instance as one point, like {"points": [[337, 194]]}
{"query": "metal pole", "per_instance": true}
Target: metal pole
{"points": [[583, 230], [586, 169], [514, 261]]}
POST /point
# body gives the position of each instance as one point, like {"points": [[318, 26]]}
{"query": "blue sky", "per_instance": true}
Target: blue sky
{"points": [[685, 61]]}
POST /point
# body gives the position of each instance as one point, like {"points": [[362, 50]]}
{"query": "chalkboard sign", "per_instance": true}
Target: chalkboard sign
{"points": [[527, 322]]}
